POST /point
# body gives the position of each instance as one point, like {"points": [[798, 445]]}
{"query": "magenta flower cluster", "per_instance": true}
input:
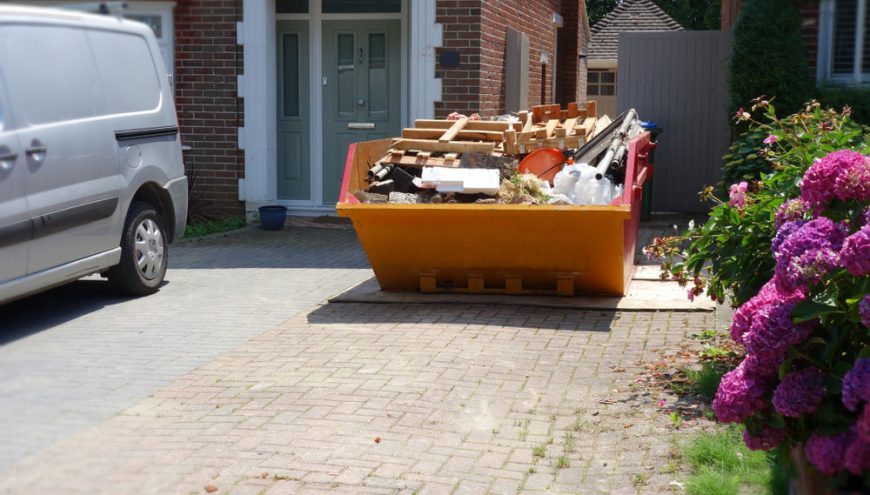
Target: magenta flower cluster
{"points": [[855, 256], [864, 311], [799, 393], [856, 385], [768, 438], [846, 450], [790, 211], [807, 249], [807, 252], [838, 175]]}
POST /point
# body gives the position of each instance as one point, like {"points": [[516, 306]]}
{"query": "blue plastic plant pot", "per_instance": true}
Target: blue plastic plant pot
{"points": [[272, 217]]}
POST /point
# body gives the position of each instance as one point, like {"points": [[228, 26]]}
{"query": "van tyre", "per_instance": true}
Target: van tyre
{"points": [[144, 252]]}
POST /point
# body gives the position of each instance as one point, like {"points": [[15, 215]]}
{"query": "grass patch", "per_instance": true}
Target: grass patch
{"points": [[722, 465], [705, 381], [214, 227], [539, 451]]}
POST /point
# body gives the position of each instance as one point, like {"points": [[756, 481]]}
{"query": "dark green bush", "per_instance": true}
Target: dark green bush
{"points": [[730, 253], [769, 56], [856, 98]]}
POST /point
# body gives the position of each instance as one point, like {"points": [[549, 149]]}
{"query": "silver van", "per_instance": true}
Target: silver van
{"points": [[91, 174]]}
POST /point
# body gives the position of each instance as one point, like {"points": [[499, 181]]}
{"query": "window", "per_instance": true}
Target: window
{"points": [[122, 58], [49, 85], [844, 41], [160, 21], [361, 6], [601, 82]]}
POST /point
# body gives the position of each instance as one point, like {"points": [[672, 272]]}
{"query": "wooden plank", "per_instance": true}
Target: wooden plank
{"points": [[591, 109], [453, 130], [600, 125], [561, 132], [415, 133], [471, 125], [551, 126], [572, 110], [587, 126], [416, 161], [527, 124], [569, 125], [510, 141], [453, 146]]}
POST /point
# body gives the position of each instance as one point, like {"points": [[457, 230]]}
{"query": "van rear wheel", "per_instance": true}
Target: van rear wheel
{"points": [[144, 252]]}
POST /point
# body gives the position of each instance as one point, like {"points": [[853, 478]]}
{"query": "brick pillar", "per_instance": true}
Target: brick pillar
{"points": [[207, 61], [460, 86], [570, 41]]}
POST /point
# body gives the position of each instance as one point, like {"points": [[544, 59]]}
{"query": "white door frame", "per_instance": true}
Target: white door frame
{"points": [[259, 88]]}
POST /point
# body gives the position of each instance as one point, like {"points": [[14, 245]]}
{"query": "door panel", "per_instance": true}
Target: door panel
{"points": [[294, 164], [72, 178], [362, 94], [15, 225]]}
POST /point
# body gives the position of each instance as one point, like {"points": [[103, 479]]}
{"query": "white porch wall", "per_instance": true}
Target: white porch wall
{"points": [[426, 35], [259, 137]]}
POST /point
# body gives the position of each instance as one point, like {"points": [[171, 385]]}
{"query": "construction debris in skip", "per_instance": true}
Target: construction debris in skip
{"points": [[548, 155]]}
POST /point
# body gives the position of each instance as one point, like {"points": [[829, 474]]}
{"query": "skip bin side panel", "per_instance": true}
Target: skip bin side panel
{"points": [[537, 245]]}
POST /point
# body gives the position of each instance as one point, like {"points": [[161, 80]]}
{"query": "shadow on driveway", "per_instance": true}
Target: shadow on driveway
{"points": [[42, 311], [465, 314]]}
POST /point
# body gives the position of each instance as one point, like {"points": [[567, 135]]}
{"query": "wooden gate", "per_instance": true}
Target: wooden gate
{"points": [[679, 80]]}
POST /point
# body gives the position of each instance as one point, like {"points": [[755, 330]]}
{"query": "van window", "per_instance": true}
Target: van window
{"points": [[127, 71], [49, 74]]}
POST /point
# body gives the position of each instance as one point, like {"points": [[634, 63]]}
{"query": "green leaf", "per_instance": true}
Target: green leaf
{"points": [[811, 310]]}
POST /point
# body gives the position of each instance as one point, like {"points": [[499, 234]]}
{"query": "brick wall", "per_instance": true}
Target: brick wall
{"points": [[571, 70], [207, 61], [476, 28], [532, 18], [460, 86]]}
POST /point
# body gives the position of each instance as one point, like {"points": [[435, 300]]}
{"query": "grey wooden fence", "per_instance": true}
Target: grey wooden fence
{"points": [[679, 80]]}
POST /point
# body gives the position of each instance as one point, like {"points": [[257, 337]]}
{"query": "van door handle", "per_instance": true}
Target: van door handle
{"points": [[33, 150], [8, 157]]}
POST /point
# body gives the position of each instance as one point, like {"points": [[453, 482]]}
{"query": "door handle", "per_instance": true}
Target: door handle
{"points": [[360, 125], [8, 157], [33, 150]]}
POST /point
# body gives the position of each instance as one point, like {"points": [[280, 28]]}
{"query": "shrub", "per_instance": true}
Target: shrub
{"points": [[856, 98], [805, 379], [768, 55], [730, 253]]}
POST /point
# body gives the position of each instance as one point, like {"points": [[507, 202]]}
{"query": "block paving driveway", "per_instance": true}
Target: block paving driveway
{"points": [[238, 378]]}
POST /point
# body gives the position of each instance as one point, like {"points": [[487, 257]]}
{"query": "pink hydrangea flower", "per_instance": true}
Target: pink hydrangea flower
{"points": [[855, 255], [821, 237], [770, 139], [854, 181], [791, 210], [737, 194], [808, 269], [766, 439], [818, 185], [769, 295], [742, 391], [857, 456], [799, 393], [772, 331], [864, 311], [828, 453], [863, 425], [856, 384]]}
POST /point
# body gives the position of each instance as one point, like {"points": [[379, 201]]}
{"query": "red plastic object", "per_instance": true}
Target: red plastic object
{"points": [[543, 162]]}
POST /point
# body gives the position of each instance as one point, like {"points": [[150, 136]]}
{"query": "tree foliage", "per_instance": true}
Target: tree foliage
{"points": [[769, 56]]}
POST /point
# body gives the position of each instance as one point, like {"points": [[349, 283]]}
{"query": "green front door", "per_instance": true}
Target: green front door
{"points": [[294, 164], [361, 91]]}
